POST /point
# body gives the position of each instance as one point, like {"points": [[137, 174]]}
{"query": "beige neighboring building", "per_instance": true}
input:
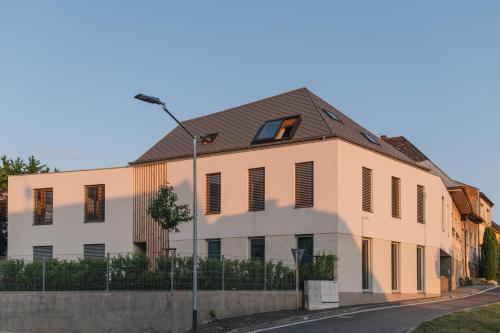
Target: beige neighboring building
{"points": [[284, 172], [66, 214]]}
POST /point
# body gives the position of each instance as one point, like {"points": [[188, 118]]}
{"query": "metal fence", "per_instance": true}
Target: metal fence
{"points": [[132, 271]]}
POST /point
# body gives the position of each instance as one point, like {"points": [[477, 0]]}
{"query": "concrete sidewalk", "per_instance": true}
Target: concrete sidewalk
{"points": [[271, 319]]}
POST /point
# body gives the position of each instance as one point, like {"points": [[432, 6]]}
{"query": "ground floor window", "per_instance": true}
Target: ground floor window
{"points": [[93, 251], [214, 247], [258, 248], [42, 253], [365, 264], [420, 268], [395, 266], [307, 244]]}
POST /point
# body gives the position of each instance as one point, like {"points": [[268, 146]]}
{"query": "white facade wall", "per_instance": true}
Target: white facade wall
{"points": [[69, 232], [280, 223], [336, 221]]}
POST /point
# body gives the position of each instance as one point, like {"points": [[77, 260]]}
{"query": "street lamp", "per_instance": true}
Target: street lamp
{"points": [[154, 100]]}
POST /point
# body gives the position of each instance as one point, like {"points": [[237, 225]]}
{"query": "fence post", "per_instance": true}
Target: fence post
{"points": [[172, 263], [265, 275], [223, 272], [107, 272], [43, 275]]}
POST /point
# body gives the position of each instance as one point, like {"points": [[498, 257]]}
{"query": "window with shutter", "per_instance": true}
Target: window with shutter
{"points": [[307, 244], [93, 251], [42, 253], [367, 190], [94, 203], [396, 197], [43, 212], [420, 204], [213, 193], [304, 184], [395, 266], [256, 189]]}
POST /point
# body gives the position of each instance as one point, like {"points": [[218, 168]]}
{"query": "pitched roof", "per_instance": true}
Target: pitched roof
{"points": [[237, 127], [409, 149]]}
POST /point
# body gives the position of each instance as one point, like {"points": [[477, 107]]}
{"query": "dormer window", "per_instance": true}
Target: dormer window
{"points": [[278, 129], [332, 115], [370, 137], [208, 139]]}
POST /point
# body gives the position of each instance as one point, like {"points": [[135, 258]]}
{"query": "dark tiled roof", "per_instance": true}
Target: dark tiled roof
{"points": [[409, 149], [495, 226], [238, 126]]}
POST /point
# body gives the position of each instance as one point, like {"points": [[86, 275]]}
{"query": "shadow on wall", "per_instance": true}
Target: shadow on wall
{"points": [[282, 224]]}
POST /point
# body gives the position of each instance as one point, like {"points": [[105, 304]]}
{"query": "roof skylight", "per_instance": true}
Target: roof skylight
{"points": [[208, 139], [370, 137], [278, 129], [332, 115]]}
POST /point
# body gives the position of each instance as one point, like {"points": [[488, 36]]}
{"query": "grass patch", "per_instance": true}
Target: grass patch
{"points": [[484, 319]]}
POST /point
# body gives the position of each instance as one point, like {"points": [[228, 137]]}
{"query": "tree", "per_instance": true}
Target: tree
{"points": [[166, 211], [489, 255]]}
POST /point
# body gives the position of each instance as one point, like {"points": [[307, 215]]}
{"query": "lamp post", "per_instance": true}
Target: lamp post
{"points": [[154, 100]]}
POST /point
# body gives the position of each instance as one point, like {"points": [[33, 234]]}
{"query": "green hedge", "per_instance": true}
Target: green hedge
{"points": [[137, 272]]}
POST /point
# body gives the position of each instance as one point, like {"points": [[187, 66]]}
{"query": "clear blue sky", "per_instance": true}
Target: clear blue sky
{"points": [[429, 70]]}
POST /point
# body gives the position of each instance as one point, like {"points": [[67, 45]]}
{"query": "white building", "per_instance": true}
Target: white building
{"points": [[284, 172]]}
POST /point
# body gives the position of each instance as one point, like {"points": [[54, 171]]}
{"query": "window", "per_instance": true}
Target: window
{"points": [[208, 139], [332, 115], [420, 268], [93, 251], [42, 253], [44, 201], [307, 244], [370, 137], [395, 266], [420, 204], [396, 197], [258, 248], [94, 203], [213, 193], [365, 264], [213, 246], [367, 190], [279, 129], [256, 189], [304, 184], [442, 214]]}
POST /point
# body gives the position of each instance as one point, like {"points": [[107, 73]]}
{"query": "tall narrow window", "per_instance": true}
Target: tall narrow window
{"points": [[420, 204], [367, 190], [365, 264], [442, 214], [42, 253], [396, 197], [258, 248], [214, 248], [44, 201], [256, 189], [304, 184], [420, 268], [94, 203], [213, 193], [93, 251], [395, 266], [307, 244]]}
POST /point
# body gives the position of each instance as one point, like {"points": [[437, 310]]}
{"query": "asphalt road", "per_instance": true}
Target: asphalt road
{"points": [[397, 319]]}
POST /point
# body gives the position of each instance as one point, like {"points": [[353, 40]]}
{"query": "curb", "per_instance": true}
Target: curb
{"points": [[296, 320]]}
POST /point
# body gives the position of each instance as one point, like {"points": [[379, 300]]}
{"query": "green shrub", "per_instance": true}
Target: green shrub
{"points": [[138, 272], [489, 261]]}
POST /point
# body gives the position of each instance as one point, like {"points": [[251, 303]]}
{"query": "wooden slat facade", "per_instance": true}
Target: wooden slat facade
{"points": [[148, 178]]}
